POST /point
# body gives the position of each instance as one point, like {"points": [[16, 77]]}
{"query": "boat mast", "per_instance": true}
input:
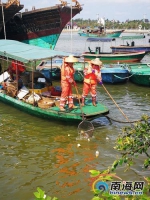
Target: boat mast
{"points": [[9, 3], [3, 19]]}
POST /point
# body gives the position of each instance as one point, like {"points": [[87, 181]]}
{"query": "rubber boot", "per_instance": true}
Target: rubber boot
{"points": [[83, 101], [94, 101]]}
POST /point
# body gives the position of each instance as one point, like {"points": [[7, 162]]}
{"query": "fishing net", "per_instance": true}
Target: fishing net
{"points": [[85, 129]]}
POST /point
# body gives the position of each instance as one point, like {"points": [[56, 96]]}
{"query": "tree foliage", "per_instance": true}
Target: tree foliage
{"points": [[112, 24]]}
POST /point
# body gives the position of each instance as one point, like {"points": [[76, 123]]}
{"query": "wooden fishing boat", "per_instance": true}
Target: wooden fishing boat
{"points": [[98, 33], [131, 47], [44, 107], [109, 57], [139, 73], [116, 58], [41, 27]]}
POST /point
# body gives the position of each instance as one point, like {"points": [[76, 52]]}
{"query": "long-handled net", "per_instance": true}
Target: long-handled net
{"points": [[85, 128]]}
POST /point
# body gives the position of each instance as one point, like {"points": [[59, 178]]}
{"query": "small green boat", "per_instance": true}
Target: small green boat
{"points": [[139, 73], [29, 54], [110, 57], [54, 113], [113, 34]]}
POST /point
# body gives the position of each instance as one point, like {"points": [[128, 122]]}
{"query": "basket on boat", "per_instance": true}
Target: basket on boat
{"points": [[45, 103], [57, 103], [11, 89]]}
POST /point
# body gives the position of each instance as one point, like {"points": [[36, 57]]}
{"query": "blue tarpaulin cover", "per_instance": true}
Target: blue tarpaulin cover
{"points": [[25, 52]]}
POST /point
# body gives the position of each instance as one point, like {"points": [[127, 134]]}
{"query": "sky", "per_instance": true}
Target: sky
{"points": [[108, 9]]}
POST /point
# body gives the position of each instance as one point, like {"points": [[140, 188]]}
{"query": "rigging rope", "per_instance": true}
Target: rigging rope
{"points": [[125, 121], [124, 77]]}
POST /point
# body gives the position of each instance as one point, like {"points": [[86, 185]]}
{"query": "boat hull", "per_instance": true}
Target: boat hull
{"points": [[54, 113], [140, 74], [114, 75], [130, 48], [114, 34], [41, 27], [48, 42], [116, 58], [141, 79]]}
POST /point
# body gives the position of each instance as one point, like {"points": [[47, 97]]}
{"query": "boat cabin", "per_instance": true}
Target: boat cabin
{"points": [[99, 45]]}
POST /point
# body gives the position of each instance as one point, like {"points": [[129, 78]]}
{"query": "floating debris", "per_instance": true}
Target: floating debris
{"points": [[78, 145], [97, 154]]}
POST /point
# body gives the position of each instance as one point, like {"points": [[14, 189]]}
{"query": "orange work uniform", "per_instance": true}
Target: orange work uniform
{"points": [[67, 79], [92, 75]]}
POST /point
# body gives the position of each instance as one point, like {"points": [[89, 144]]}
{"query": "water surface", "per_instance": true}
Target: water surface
{"points": [[40, 153]]}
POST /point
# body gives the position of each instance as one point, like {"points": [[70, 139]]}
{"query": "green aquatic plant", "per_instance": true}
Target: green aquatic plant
{"points": [[132, 142], [40, 195]]}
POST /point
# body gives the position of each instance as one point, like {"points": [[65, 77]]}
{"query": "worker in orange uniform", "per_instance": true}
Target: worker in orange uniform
{"points": [[67, 80], [92, 76]]}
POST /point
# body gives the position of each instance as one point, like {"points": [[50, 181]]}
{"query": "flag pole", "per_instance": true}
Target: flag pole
{"points": [[71, 26]]}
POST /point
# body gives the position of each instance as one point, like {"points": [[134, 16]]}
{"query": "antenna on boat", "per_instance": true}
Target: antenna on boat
{"points": [[3, 20]]}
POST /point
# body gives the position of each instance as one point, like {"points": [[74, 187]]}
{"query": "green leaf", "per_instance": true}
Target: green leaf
{"points": [[94, 172], [40, 190], [96, 191], [95, 198], [120, 161], [115, 164], [48, 198], [36, 194]]}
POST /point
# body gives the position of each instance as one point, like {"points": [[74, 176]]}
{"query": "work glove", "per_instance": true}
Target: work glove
{"points": [[101, 83]]}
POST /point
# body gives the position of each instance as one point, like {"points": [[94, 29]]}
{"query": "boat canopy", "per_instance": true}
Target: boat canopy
{"points": [[26, 53], [100, 39], [132, 37]]}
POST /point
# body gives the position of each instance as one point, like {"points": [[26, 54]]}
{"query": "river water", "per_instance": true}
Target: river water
{"points": [[40, 153]]}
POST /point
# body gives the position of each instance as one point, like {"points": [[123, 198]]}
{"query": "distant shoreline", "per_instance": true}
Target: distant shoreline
{"points": [[110, 30]]}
